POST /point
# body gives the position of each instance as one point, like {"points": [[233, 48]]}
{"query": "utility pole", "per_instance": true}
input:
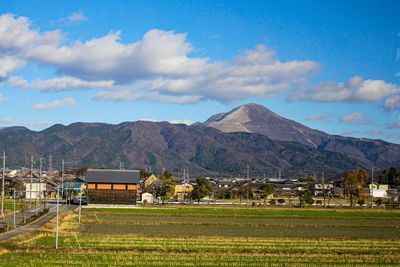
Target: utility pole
{"points": [[15, 222], [280, 175], [2, 186], [58, 202], [40, 180], [30, 186], [372, 187], [62, 178], [80, 207], [323, 187], [248, 171]]}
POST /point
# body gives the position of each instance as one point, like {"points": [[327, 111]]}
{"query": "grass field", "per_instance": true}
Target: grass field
{"points": [[221, 236]]}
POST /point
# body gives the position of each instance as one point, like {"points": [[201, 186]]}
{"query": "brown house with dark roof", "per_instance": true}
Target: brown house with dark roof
{"points": [[112, 186]]}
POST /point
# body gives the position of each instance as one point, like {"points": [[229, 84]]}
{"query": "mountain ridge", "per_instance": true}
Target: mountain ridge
{"points": [[255, 118], [202, 148]]}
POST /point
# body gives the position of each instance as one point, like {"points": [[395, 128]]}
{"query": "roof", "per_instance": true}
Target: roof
{"points": [[113, 176]]}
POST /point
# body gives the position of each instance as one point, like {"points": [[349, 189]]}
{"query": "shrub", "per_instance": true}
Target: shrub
{"points": [[360, 202], [379, 202], [272, 202], [281, 201]]}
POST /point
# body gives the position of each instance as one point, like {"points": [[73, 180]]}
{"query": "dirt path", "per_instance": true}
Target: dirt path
{"points": [[35, 224]]}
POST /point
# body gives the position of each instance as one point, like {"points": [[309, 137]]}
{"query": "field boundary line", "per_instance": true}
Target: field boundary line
{"points": [[77, 241], [96, 216]]}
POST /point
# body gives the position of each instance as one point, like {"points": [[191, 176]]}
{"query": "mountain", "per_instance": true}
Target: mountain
{"points": [[200, 149], [254, 118]]}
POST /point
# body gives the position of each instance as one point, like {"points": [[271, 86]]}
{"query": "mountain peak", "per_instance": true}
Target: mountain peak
{"points": [[255, 118]]}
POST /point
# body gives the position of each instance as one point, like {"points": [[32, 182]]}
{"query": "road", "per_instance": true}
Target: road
{"points": [[35, 224]]}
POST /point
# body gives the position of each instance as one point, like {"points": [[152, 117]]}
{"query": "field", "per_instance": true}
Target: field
{"points": [[221, 236]]}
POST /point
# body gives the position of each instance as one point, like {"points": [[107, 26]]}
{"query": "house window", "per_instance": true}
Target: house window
{"points": [[119, 187], [103, 186], [91, 186], [132, 187]]}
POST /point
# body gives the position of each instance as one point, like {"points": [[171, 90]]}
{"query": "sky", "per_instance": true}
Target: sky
{"points": [[331, 65]]}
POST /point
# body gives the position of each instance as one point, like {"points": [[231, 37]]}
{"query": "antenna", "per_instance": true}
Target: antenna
{"points": [[121, 165]]}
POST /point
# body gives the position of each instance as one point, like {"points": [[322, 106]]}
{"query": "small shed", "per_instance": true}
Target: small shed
{"points": [[147, 197], [112, 186]]}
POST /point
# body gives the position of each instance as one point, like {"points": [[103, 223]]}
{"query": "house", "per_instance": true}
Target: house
{"points": [[378, 190], [318, 189], [38, 189], [112, 186], [183, 190], [147, 197], [149, 181]]}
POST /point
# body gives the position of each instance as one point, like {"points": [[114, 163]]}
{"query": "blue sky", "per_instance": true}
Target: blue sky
{"points": [[331, 65]]}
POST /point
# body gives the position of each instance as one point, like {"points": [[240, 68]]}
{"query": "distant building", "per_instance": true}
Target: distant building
{"points": [[38, 189], [112, 186], [378, 190], [149, 181], [183, 190], [147, 197]]}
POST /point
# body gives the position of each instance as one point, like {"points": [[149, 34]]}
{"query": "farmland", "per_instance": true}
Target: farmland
{"points": [[222, 236]]}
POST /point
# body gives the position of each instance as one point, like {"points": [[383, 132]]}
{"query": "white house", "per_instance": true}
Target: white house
{"points": [[148, 197], [35, 191], [378, 190]]}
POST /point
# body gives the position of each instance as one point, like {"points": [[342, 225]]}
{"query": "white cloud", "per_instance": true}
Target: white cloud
{"points": [[9, 64], [392, 103], [184, 121], [17, 37], [356, 89], [6, 121], [158, 67], [355, 118], [174, 121], [77, 17], [58, 84], [55, 104], [320, 117]]}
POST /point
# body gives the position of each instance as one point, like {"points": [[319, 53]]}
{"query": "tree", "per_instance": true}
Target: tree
{"points": [[305, 197], [164, 187], [201, 189], [354, 182], [267, 189], [393, 177]]}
